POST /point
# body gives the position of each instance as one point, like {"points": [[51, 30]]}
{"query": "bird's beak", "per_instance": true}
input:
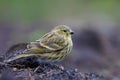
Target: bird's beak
{"points": [[71, 32]]}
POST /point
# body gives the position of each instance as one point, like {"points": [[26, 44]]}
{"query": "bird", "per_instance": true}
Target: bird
{"points": [[51, 47]]}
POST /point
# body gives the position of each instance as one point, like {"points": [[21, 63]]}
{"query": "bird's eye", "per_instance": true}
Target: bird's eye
{"points": [[64, 30]]}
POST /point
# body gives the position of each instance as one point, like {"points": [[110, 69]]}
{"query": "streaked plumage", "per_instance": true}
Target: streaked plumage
{"points": [[53, 46]]}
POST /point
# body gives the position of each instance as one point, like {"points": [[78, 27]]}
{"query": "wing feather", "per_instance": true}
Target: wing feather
{"points": [[48, 43]]}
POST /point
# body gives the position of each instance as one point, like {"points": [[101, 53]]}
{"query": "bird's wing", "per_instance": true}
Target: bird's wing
{"points": [[48, 43]]}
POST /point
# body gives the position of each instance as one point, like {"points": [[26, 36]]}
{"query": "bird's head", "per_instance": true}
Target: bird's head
{"points": [[63, 30]]}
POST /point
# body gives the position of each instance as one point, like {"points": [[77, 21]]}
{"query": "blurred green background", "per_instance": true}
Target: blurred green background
{"points": [[33, 10], [96, 24]]}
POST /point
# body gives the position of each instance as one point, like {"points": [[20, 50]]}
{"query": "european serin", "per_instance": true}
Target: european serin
{"points": [[53, 46]]}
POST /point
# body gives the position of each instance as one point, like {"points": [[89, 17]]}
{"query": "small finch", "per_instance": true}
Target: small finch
{"points": [[53, 46]]}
